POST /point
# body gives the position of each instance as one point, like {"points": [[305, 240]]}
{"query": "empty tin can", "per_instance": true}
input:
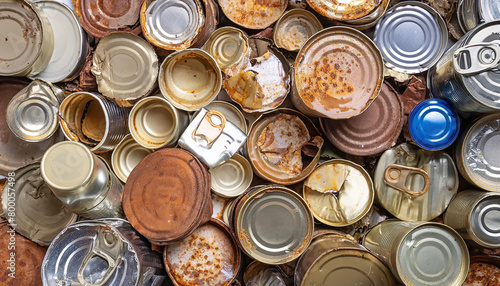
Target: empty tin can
{"points": [[339, 193], [230, 48], [101, 252], [231, 112], [414, 184], [155, 123], [93, 120], [338, 74], [127, 154], [231, 178], [477, 153], [253, 14], [293, 29], [483, 270], [420, 253], [83, 182], [344, 10]]}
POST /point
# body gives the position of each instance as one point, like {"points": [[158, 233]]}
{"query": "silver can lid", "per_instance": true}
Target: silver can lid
{"points": [[489, 10], [484, 220]]}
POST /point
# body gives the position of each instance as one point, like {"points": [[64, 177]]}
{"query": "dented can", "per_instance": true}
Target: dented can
{"points": [[253, 14], [293, 29], [127, 154], [231, 112], [230, 48], [231, 178]]}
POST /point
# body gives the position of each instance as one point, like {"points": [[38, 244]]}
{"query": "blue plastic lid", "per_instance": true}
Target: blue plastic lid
{"points": [[434, 124]]}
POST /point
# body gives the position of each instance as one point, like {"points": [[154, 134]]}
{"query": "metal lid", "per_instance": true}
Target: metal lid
{"points": [[344, 10], [231, 112], [489, 10], [373, 131], [125, 66], [190, 79], [293, 29], [228, 46], [338, 72], [434, 124], [411, 36], [127, 154], [231, 178], [253, 14], [484, 220]]}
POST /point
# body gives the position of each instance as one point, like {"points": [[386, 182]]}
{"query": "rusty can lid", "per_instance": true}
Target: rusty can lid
{"points": [[344, 10], [231, 112], [228, 46], [127, 154], [373, 131], [338, 72], [293, 29], [231, 178], [253, 14]]}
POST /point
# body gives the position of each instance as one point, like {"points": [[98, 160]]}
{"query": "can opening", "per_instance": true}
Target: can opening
{"points": [[94, 272]]}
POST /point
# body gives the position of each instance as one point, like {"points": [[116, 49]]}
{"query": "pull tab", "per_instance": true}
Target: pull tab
{"points": [[396, 176], [476, 58], [208, 129], [108, 246]]}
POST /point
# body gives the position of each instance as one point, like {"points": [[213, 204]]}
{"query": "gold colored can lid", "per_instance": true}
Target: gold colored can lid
{"points": [[231, 178], [293, 29], [127, 154]]}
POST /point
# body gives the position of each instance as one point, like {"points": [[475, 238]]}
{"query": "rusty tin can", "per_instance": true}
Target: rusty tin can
{"points": [[476, 153], [253, 14], [344, 10], [155, 123], [420, 253], [94, 120], [231, 178], [484, 270], [209, 256], [474, 215], [101, 252], [339, 192], [83, 182], [231, 112], [127, 154], [293, 29], [414, 184], [338, 74], [230, 48]]}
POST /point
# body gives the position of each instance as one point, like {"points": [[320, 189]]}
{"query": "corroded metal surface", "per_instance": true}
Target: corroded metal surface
{"points": [[253, 14]]}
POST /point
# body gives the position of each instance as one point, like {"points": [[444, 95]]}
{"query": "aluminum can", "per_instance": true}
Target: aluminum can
{"points": [[83, 182], [471, 86], [338, 74], [339, 192], [94, 120], [231, 178], [154, 123], [414, 184], [344, 10], [253, 14], [28, 39], [212, 248], [293, 29], [231, 112], [476, 153], [101, 252], [420, 253], [127, 154]]}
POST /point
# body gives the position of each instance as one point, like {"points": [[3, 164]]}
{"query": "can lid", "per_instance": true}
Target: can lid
{"points": [[489, 9], [484, 220], [293, 29], [411, 36], [253, 14], [434, 124], [231, 178], [344, 10], [231, 112], [228, 46], [127, 154]]}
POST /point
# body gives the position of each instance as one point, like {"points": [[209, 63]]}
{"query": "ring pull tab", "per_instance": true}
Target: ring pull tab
{"points": [[396, 176], [476, 58], [209, 129], [108, 246]]}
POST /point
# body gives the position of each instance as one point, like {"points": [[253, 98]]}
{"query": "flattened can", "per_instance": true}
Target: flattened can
{"points": [[253, 14], [420, 253], [293, 29], [230, 48], [344, 10], [231, 178], [127, 154]]}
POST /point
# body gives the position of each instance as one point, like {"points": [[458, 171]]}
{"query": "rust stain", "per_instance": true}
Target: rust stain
{"points": [[253, 14], [483, 274]]}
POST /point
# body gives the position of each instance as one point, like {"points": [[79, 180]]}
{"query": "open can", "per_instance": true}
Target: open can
{"points": [[293, 29], [127, 154], [253, 14]]}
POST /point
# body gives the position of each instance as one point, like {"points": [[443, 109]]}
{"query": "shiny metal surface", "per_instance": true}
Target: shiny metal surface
{"points": [[468, 14], [231, 178], [489, 10], [127, 154], [293, 29], [343, 10], [264, 12], [229, 47], [231, 112]]}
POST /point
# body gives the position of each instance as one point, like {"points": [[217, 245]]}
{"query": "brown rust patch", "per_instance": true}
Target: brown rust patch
{"points": [[342, 11], [253, 14], [483, 274]]}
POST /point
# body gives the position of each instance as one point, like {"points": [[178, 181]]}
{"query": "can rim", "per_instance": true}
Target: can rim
{"points": [[310, 16]]}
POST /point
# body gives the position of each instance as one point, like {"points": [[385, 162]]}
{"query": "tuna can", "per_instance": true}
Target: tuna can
{"points": [[474, 215], [373, 131], [420, 253], [339, 193], [338, 257], [231, 178], [155, 123], [101, 252], [345, 10], [167, 196], [415, 184], [125, 67], [293, 29], [94, 120], [338, 74], [71, 46], [231, 113], [230, 48], [253, 14], [273, 224], [100, 18], [190, 79], [83, 182], [39, 215], [27, 38], [209, 256], [127, 154], [470, 85], [477, 153]]}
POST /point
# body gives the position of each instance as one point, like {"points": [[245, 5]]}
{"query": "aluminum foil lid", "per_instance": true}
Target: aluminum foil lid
{"points": [[483, 220], [489, 10], [253, 14]]}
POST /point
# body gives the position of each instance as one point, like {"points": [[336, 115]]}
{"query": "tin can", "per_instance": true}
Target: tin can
{"points": [[154, 123], [339, 192], [273, 224], [338, 74], [338, 257], [293, 29], [218, 205], [228, 209], [39, 215], [414, 184], [476, 154], [471, 86], [489, 10], [27, 38], [483, 270], [253, 14], [231, 113], [125, 67], [231, 178], [92, 119], [101, 252], [127, 154], [209, 256], [344, 10], [468, 14], [259, 274], [190, 79], [420, 253], [473, 214], [83, 182]]}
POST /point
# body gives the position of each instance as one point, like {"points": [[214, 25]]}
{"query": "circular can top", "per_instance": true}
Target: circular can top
{"points": [[434, 124], [344, 10], [411, 36], [253, 14], [489, 10], [127, 154], [231, 178], [228, 46], [484, 220], [231, 112], [293, 29]]}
